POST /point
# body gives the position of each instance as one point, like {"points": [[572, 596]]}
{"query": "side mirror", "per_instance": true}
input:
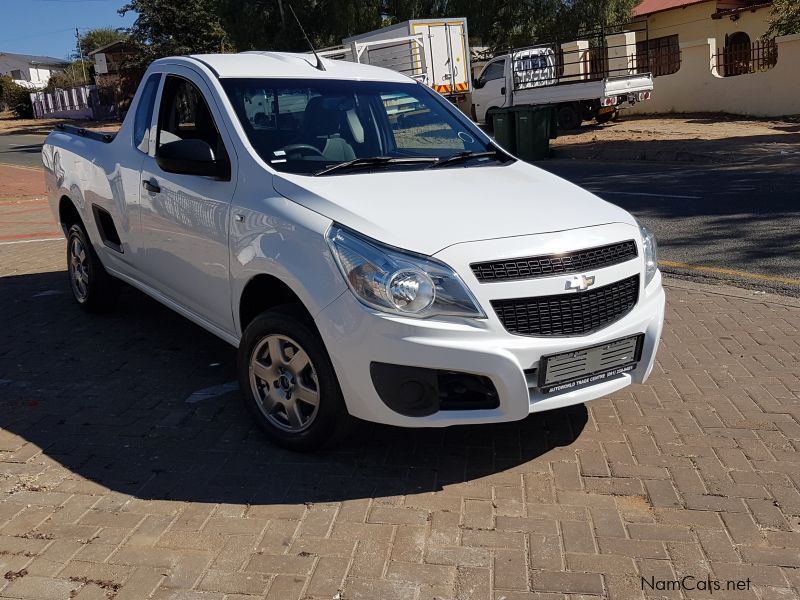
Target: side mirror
{"points": [[190, 157], [478, 83]]}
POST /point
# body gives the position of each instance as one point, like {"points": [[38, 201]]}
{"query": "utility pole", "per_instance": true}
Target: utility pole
{"points": [[80, 51]]}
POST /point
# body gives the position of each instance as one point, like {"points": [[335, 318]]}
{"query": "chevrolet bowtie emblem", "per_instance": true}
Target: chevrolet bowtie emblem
{"points": [[580, 282]]}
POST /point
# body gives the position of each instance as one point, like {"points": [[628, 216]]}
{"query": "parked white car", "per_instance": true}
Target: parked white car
{"points": [[367, 248]]}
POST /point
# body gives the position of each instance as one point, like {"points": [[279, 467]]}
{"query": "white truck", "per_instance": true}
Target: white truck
{"points": [[369, 250], [433, 51], [583, 82]]}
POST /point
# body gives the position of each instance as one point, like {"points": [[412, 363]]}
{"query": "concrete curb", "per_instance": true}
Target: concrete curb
{"points": [[722, 289]]}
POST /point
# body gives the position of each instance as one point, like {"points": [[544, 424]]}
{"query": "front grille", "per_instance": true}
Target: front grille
{"points": [[569, 314], [555, 264]]}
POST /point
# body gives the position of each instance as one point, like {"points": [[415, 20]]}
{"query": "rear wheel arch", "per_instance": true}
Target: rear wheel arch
{"points": [[487, 117], [68, 214]]}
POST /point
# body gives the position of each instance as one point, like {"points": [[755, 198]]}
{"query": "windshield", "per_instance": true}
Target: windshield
{"points": [[306, 126]]}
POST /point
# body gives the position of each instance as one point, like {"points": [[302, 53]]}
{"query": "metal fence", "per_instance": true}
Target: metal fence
{"points": [[80, 102], [589, 56], [742, 59]]}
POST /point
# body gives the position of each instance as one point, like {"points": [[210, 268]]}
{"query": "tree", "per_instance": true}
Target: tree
{"points": [[97, 38], [785, 18], [168, 28], [76, 73], [269, 24], [500, 24]]}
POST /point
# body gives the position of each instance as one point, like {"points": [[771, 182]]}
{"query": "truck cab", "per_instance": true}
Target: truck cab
{"points": [[489, 89]]}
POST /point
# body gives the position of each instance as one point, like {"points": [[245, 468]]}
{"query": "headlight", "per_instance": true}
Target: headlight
{"points": [[399, 282], [650, 254]]}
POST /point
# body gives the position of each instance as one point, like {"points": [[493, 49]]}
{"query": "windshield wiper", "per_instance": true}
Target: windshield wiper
{"points": [[372, 161], [465, 156]]}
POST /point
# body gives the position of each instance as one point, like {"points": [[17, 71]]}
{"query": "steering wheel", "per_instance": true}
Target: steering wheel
{"points": [[301, 149]]}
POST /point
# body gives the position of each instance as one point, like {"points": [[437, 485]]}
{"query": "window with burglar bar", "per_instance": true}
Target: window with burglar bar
{"points": [[659, 56], [741, 57]]}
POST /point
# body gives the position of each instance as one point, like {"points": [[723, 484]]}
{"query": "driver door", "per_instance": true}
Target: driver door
{"points": [[492, 90], [184, 218]]}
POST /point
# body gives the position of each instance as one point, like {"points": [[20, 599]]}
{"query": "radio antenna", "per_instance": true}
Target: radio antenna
{"points": [[319, 64]]}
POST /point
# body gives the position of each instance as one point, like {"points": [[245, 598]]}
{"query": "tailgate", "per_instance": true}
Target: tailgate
{"points": [[617, 86]]}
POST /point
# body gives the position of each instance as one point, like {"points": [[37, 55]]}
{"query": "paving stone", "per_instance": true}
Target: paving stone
{"points": [[115, 478]]}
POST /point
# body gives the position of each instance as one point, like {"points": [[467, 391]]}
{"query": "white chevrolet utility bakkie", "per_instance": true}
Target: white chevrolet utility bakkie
{"points": [[367, 248]]}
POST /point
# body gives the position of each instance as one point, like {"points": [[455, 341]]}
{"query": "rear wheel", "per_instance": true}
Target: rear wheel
{"points": [[288, 381], [568, 118], [606, 117], [92, 287]]}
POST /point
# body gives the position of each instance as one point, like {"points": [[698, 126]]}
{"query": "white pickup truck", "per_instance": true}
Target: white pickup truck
{"points": [[531, 77], [366, 247]]}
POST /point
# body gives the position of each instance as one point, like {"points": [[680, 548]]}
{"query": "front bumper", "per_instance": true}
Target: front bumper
{"points": [[356, 337]]}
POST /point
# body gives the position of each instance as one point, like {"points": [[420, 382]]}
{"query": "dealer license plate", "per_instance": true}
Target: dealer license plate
{"points": [[561, 372]]}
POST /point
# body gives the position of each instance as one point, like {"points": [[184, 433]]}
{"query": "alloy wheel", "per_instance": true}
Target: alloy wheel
{"points": [[284, 382], [79, 269]]}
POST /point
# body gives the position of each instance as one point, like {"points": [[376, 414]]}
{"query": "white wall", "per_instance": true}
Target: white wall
{"points": [[698, 87], [33, 76]]}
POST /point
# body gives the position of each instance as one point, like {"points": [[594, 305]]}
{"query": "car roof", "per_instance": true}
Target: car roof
{"points": [[290, 65]]}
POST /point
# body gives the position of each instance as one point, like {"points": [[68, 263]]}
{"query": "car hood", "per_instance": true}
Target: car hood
{"points": [[428, 210]]}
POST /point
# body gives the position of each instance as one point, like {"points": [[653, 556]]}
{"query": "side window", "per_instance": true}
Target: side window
{"points": [[144, 114], [184, 115], [495, 70]]}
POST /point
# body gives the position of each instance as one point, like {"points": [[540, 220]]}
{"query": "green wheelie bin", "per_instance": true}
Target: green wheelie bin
{"points": [[534, 130], [504, 128]]}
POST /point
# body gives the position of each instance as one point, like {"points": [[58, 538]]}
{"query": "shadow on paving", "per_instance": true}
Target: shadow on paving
{"points": [[742, 150], [105, 396], [733, 217], [26, 149]]}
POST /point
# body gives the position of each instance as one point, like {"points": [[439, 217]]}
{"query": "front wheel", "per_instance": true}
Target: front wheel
{"points": [[92, 287], [288, 381]]}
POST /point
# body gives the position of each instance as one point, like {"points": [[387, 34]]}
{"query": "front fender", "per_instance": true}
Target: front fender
{"points": [[278, 237]]}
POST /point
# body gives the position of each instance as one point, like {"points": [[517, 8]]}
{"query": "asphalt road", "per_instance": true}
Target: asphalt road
{"points": [[738, 224], [24, 149]]}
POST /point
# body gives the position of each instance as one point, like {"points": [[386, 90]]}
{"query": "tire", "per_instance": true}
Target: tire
{"points": [[92, 287], [488, 123], [568, 118], [300, 408], [606, 117]]}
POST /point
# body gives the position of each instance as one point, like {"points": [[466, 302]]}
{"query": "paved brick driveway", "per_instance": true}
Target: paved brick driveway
{"points": [[24, 211], [117, 480]]}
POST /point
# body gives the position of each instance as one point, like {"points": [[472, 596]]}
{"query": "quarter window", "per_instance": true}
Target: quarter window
{"points": [[144, 114]]}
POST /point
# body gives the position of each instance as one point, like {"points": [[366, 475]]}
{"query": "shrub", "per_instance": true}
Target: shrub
{"points": [[16, 98]]}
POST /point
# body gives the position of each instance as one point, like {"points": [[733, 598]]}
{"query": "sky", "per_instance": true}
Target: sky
{"points": [[47, 27]]}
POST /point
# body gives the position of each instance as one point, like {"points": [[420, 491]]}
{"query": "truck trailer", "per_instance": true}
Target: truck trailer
{"points": [[433, 51]]}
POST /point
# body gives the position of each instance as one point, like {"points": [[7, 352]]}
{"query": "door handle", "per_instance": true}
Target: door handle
{"points": [[503, 90], [151, 186]]}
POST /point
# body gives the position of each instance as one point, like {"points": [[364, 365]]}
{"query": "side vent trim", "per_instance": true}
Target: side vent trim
{"points": [[105, 225]]}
